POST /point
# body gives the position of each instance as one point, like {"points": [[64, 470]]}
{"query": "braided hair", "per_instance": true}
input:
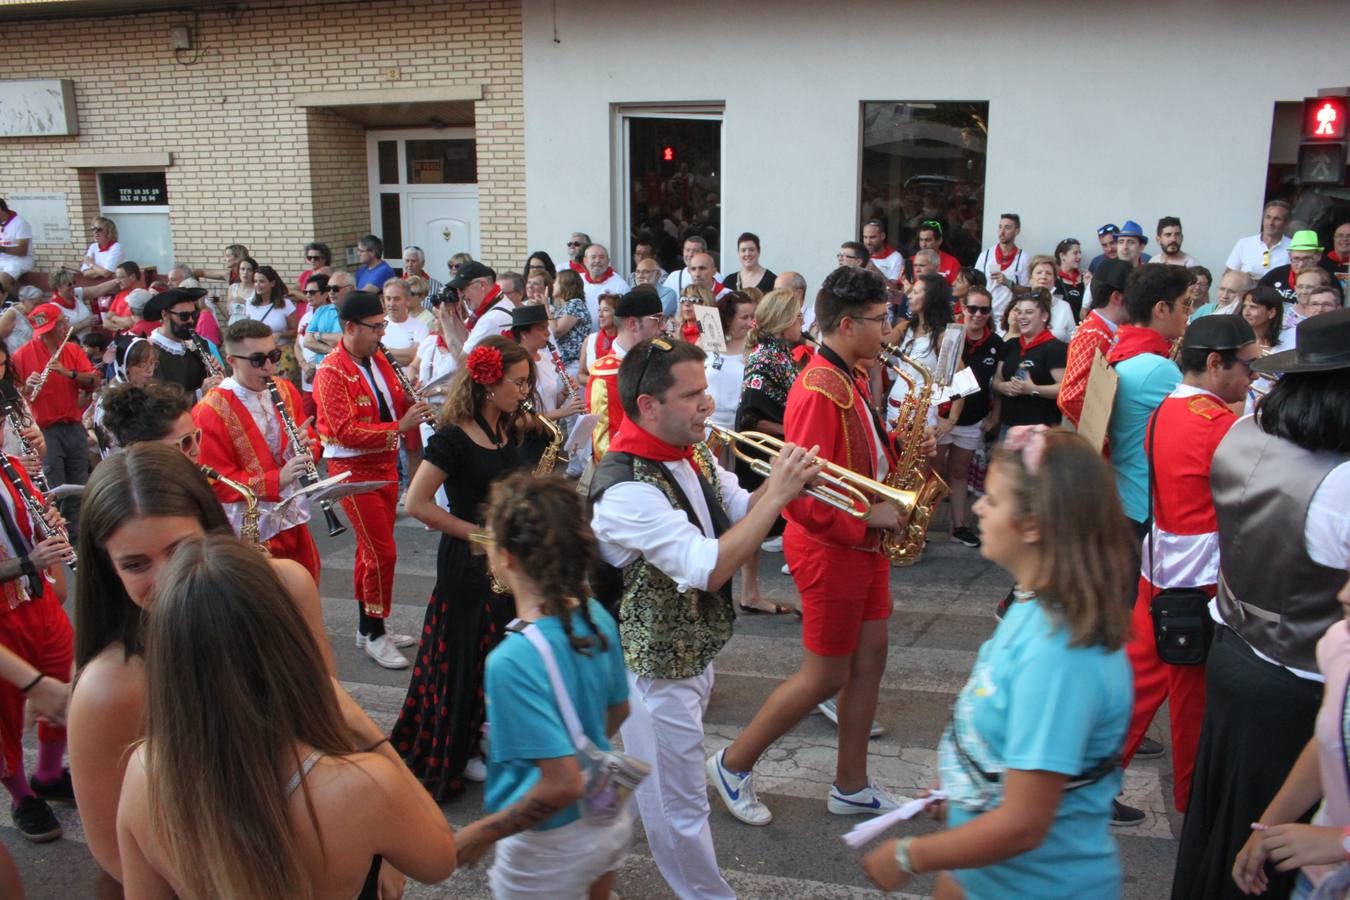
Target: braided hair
{"points": [[541, 522]]}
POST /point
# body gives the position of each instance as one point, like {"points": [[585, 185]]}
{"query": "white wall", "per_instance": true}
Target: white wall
{"points": [[1095, 114]]}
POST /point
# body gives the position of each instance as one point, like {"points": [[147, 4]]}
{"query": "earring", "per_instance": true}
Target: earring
{"points": [[491, 395]]}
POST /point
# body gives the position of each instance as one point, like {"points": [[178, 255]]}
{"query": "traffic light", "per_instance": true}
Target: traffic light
{"points": [[1324, 118], [668, 154]]}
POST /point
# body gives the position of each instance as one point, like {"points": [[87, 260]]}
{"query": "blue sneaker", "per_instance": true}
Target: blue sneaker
{"points": [[870, 801], [737, 791]]}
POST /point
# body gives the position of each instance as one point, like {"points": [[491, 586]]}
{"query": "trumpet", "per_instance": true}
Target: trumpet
{"points": [[836, 486]]}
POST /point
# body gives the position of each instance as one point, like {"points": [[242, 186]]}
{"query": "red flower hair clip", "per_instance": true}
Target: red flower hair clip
{"points": [[485, 365]]}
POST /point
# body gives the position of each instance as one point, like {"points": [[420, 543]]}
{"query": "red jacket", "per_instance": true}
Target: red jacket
{"points": [[1093, 335], [234, 447], [347, 412]]}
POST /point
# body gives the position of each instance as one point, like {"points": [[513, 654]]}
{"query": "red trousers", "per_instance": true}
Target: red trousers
{"points": [[39, 633], [1183, 687], [297, 544], [372, 516]]}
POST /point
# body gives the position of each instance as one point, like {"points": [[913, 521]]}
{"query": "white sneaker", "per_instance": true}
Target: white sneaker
{"points": [[737, 792], [869, 801], [400, 640], [830, 710], [382, 650], [475, 770], [785, 569], [772, 545]]}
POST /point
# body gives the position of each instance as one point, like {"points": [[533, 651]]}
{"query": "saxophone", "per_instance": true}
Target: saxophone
{"points": [[911, 473], [549, 460], [249, 531]]}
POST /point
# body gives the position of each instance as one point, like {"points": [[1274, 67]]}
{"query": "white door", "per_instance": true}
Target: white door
{"points": [[424, 193]]}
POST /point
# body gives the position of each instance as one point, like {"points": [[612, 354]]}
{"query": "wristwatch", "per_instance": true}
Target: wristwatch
{"points": [[902, 855], [26, 565], [1035, 392]]}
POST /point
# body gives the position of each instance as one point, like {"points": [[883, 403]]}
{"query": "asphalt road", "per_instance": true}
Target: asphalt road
{"points": [[943, 611]]}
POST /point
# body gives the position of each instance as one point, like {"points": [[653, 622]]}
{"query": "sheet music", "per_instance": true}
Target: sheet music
{"points": [[872, 829]]}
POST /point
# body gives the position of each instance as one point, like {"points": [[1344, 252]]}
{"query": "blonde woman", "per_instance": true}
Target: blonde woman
{"points": [[1043, 272], [105, 254]]}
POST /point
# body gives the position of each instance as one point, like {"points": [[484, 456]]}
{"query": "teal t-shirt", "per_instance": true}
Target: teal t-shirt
{"points": [[1145, 381], [324, 321], [1033, 703], [524, 722]]}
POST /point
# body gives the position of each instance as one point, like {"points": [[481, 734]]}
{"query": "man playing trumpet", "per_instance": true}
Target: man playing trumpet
{"points": [[835, 559], [244, 438]]}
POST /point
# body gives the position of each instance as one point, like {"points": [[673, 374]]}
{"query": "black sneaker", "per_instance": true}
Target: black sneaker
{"points": [[60, 790], [35, 821], [964, 535], [1149, 749], [1123, 816]]}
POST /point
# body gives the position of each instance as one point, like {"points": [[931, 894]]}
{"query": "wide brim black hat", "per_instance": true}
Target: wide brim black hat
{"points": [[1321, 344], [157, 305]]}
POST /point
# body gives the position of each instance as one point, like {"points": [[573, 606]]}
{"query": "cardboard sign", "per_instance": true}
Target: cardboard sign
{"points": [[1098, 400], [710, 321]]}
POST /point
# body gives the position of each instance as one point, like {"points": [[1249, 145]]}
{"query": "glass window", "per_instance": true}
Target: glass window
{"points": [[675, 169], [442, 162], [387, 151], [925, 161], [138, 202], [391, 222]]}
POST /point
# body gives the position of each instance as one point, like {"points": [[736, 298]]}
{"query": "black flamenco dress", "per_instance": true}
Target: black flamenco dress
{"points": [[439, 727]]}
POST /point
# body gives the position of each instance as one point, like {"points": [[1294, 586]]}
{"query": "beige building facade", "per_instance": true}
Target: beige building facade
{"points": [[277, 124]]}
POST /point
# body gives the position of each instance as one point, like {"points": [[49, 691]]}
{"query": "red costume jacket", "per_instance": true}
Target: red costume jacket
{"points": [[1093, 335], [347, 412], [828, 407], [602, 398], [13, 592], [234, 447]]}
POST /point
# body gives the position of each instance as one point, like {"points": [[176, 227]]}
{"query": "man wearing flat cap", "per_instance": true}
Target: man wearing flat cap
{"points": [[1281, 487], [1182, 551], [489, 308], [185, 357], [361, 411], [638, 316]]}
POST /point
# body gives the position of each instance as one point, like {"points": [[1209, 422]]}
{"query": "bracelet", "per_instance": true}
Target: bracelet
{"points": [[32, 684], [27, 566], [372, 747], [902, 856]]}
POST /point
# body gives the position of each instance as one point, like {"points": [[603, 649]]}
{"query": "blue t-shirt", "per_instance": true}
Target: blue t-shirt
{"points": [[372, 278], [324, 321], [1033, 703], [1145, 381], [524, 722]]}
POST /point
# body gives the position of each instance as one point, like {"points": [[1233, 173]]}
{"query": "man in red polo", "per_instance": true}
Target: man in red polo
{"points": [[55, 400]]}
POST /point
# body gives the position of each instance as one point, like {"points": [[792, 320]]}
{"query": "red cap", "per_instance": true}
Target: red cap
{"points": [[44, 318]]}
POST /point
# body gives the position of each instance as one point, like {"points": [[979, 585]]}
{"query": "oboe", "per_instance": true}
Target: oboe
{"points": [[404, 383], [311, 473], [42, 529], [18, 421]]}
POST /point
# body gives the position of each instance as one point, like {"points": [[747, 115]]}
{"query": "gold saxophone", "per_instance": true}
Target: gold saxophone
{"points": [[249, 531], [911, 472], [549, 461]]}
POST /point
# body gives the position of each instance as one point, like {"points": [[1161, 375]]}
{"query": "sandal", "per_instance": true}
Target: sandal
{"points": [[779, 609]]}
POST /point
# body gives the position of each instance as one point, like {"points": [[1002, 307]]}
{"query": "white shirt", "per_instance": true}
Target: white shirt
{"points": [[614, 284], [80, 313], [16, 230], [306, 354], [271, 520], [546, 381], [891, 266], [108, 259], [680, 279], [1251, 255], [433, 362], [1001, 294], [496, 320], [634, 519], [726, 372], [273, 317], [1186, 260], [1062, 324], [923, 350], [411, 332]]}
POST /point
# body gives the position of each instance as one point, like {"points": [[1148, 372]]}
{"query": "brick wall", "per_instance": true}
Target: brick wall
{"points": [[248, 164]]}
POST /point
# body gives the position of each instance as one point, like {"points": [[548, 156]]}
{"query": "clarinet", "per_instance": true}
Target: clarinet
{"points": [[213, 367], [42, 530], [404, 383], [311, 473], [17, 422], [570, 386]]}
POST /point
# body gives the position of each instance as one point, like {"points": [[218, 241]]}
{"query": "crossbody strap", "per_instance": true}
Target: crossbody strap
{"points": [[1148, 455], [564, 700]]}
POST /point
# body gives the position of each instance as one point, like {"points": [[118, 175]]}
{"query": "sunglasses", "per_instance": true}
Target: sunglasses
{"points": [[314, 258], [334, 288], [98, 228], [184, 316], [574, 243], [312, 293], [653, 345], [260, 359], [188, 441], [979, 310]]}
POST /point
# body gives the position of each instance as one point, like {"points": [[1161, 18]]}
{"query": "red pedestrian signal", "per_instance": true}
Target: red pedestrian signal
{"points": [[667, 153], [1324, 118]]}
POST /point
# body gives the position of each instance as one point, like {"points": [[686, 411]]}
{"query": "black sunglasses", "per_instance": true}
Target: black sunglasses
{"points": [[654, 344], [260, 359], [184, 316], [314, 258], [334, 288]]}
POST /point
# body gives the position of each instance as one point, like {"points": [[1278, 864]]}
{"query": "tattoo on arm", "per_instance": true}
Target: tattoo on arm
{"points": [[521, 816]]}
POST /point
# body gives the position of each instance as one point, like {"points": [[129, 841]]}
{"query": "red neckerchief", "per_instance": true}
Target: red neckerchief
{"points": [[886, 250], [440, 342], [974, 346], [690, 331], [576, 266], [103, 248], [605, 276], [604, 342], [483, 307], [60, 301], [1073, 278], [1004, 262], [1044, 337], [1336, 257], [1133, 340], [633, 438]]}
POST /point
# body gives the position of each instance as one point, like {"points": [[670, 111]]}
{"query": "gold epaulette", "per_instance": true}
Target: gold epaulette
{"points": [[606, 365], [1206, 406], [831, 382]]}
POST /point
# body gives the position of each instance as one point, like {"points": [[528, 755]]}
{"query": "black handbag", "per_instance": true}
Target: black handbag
{"points": [[1182, 626]]}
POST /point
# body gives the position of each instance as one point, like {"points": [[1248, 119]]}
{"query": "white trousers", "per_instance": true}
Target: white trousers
{"points": [[561, 863], [665, 727]]}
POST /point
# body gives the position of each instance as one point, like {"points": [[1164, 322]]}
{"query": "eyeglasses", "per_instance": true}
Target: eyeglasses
{"points": [[98, 228], [653, 345], [314, 258], [260, 359], [188, 441], [1107, 229], [378, 328], [537, 266], [979, 310], [574, 243], [184, 316], [334, 288], [522, 383], [879, 318], [312, 293]]}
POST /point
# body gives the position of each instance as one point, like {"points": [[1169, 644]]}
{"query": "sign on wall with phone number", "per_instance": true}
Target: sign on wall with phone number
{"points": [[133, 189]]}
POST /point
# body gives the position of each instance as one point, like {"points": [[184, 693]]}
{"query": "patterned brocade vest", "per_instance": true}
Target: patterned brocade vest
{"points": [[666, 632]]}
